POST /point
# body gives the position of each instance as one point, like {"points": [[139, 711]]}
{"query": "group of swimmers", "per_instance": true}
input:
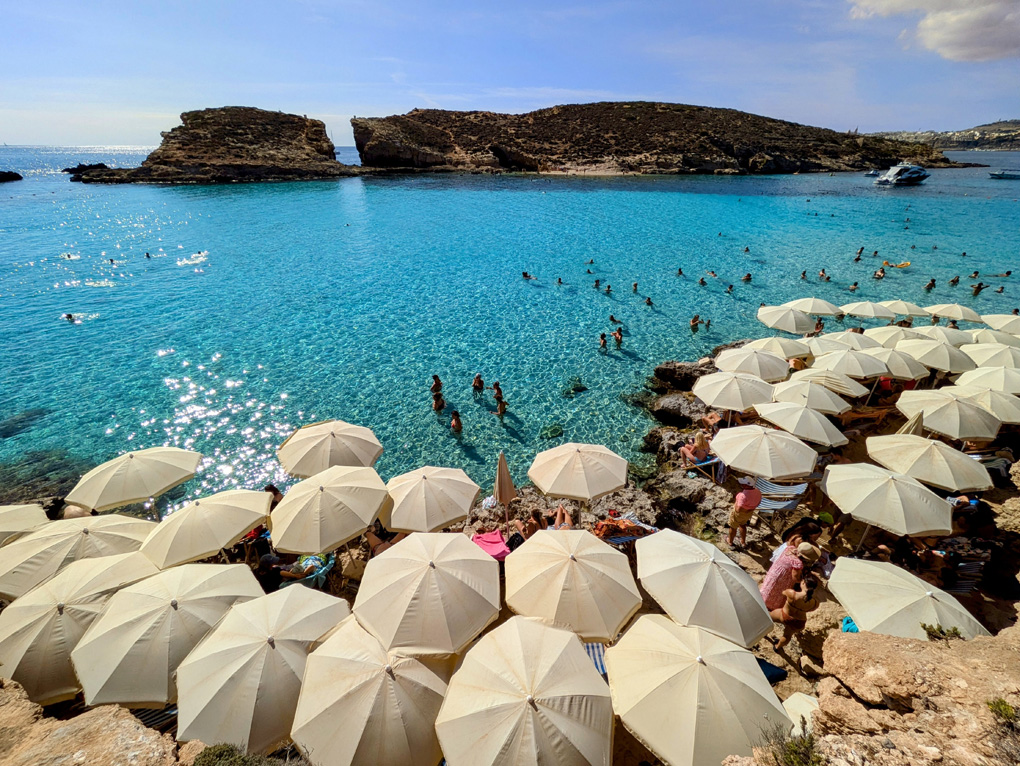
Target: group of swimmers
{"points": [[478, 388]]}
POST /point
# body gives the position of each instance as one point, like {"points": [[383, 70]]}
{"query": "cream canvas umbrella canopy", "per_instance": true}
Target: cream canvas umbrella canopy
{"points": [[807, 424], [697, 584], [949, 415], [868, 310], [954, 311], [800, 706], [984, 335], [240, 684], [936, 354], [899, 366], [735, 391], [754, 361], [764, 452], [914, 425], [854, 340], [929, 461], [1005, 407], [824, 344], [992, 354], [689, 696], [1003, 322], [1003, 379], [815, 306], [786, 319], [788, 348], [503, 488], [883, 598], [39, 630], [37, 556], [949, 335], [526, 694], [130, 654], [834, 381], [363, 706], [16, 519], [327, 510], [891, 501], [134, 477], [809, 394], [428, 499], [313, 448], [572, 579], [904, 308], [205, 526], [890, 335], [853, 364], [578, 471], [430, 594]]}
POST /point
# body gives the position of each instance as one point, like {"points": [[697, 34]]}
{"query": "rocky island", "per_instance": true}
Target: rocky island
{"points": [[9, 175], [622, 138], [229, 145]]}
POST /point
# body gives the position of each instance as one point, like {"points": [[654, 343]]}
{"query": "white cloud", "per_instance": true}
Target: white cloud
{"points": [[959, 30]]}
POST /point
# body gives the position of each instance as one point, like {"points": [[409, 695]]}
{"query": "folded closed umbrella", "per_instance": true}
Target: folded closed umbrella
{"points": [[16, 519], [904, 308], [313, 448], [697, 584], [526, 693], [363, 705], [868, 310], [834, 381], [891, 501], [786, 319], [766, 365], [37, 556], [240, 684], [803, 422], [764, 452], [1005, 407], [689, 696], [503, 488], [890, 335], [954, 311], [134, 477], [854, 340], [950, 335], [327, 510], [571, 578], [853, 364], [735, 391], [914, 425], [788, 348], [1003, 322], [883, 598], [949, 415], [578, 471], [430, 594], [1005, 379], [936, 354], [929, 461], [992, 354], [39, 629], [130, 654], [815, 306], [899, 366], [809, 394], [801, 708], [428, 499], [984, 335]]}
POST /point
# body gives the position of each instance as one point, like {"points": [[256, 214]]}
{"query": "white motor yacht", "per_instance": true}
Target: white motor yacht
{"points": [[902, 175], [873, 173], [1006, 174]]}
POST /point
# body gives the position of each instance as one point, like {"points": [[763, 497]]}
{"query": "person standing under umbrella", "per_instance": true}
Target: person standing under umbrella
{"points": [[744, 505]]}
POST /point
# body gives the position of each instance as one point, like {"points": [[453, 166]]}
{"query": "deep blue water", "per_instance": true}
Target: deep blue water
{"points": [[315, 300]]}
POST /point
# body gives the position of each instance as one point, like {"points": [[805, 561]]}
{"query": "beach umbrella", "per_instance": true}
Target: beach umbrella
{"points": [[809, 394], [134, 477], [697, 584], [929, 461], [571, 578], [39, 630], [131, 653], [736, 391], [914, 425], [578, 471], [1005, 407], [891, 501], [16, 519], [883, 598], [313, 448], [815, 306], [503, 489], [899, 366], [37, 556], [803, 422], [984, 335], [362, 705], [854, 340], [937, 355], [853, 364], [689, 696], [889, 335], [949, 335], [786, 319], [430, 594], [834, 381], [868, 310], [1003, 322], [240, 684], [800, 707], [904, 308], [526, 693], [954, 311], [788, 348], [202, 528], [824, 344], [992, 354], [1005, 379], [754, 361], [327, 510], [764, 452], [428, 499], [949, 415]]}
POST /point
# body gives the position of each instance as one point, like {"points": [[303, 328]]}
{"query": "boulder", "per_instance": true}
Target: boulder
{"points": [[9, 175], [681, 376], [679, 409], [625, 501]]}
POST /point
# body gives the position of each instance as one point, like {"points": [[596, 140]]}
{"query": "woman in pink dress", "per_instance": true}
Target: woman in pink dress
{"points": [[787, 571]]}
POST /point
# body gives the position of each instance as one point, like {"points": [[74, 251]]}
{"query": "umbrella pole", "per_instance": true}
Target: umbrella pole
{"points": [[866, 530], [872, 392]]}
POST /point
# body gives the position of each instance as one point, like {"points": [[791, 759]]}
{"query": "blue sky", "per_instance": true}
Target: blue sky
{"points": [[114, 72]]}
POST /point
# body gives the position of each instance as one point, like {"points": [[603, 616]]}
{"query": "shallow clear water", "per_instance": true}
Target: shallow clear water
{"points": [[268, 306]]}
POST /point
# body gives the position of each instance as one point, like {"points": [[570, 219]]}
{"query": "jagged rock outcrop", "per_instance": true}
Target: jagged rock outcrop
{"points": [[233, 144], [9, 175], [621, 137], [1002, 136]]}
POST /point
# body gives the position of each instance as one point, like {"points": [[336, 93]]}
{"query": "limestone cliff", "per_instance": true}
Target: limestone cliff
{"points": [[625, 137], [232, 144], [1003, 136]]}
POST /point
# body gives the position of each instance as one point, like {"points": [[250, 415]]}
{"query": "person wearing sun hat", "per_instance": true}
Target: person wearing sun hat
{"points": [[744, 505], [788, 570]]}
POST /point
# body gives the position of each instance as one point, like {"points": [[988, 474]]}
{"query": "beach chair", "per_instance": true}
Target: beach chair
{"points": [[711, 468], [597, 654], [777, 498], [317, 578]]}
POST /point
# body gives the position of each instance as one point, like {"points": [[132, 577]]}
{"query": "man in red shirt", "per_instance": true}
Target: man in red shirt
{"points": [[744, 504]]}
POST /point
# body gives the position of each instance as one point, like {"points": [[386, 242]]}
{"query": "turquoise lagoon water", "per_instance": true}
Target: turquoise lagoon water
{"points": [[269, 306]]}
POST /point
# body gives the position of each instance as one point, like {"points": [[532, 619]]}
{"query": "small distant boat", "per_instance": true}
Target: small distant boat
{"points": [[873, 173], [1006, 174], [903, 175]]}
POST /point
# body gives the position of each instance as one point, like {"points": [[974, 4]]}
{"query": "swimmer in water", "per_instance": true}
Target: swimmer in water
{"points": [[597, 283], [853, 287], [821, 274], [559, 281], [111, 260], [819, 325], [526, 275], [857, 258], [69, 317], [589, 271], [680, 272], [648, 302], [711, 273], [602, 341], [874, 254], [976, 289], [746, 277], [500, 407], [695, 321], [954, 281], [803, 275], [931, 285], [147, 255], [496, 390], [952, 325], [974, 275], [701, 281], [609, 289], [618, 337], [634, 287], [860, 250], [880, 274], [963, 254], [1000, 290], [1015, 312], [455, 424], [1003, 274], [438, 403], [747, 249], [478, 385], [437, 385], [590, 262], [614, 320], [729, 290]]}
